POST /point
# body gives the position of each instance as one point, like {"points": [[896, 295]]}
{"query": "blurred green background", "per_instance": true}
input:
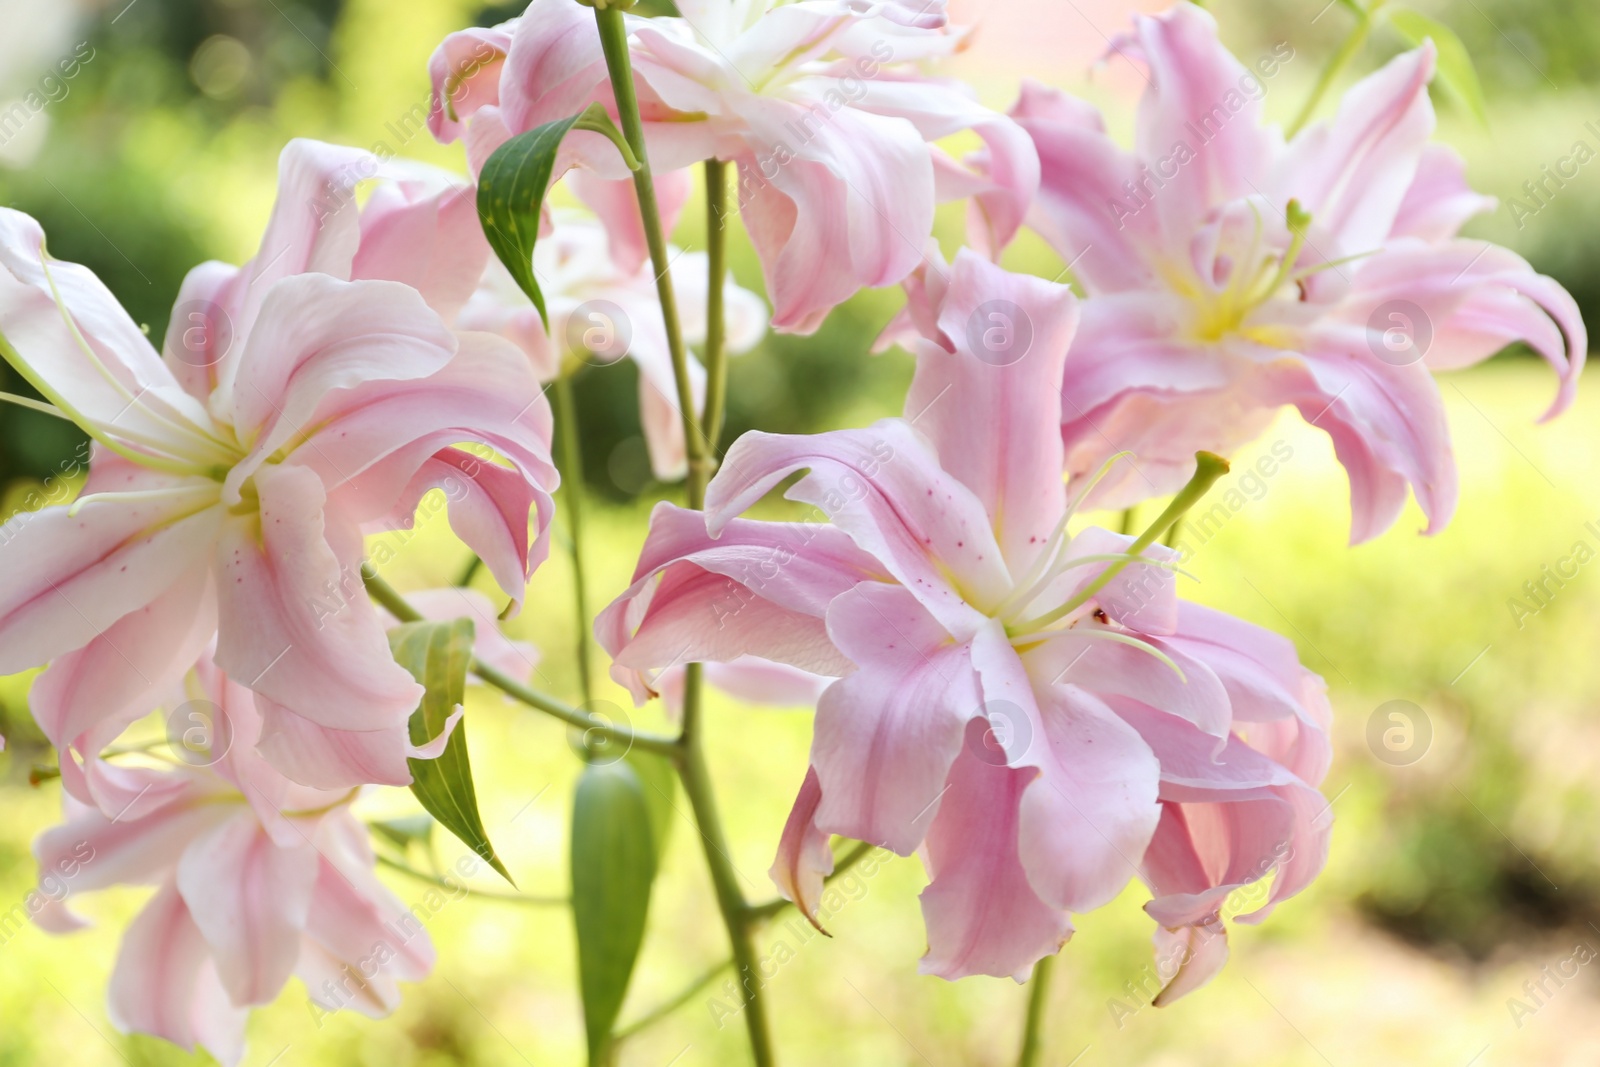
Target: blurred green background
{"points": [[1454, 880]]}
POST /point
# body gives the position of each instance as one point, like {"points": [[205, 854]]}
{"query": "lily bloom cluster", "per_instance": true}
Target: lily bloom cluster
{"points": [[1019, 697], [300, 402], [1232, 273], [1032, 709]]}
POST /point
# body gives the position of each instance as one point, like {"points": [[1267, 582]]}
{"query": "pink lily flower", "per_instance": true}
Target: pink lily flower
{"points": [[1032, 733], [819, 104], [603, 313], [258, 879], [1215, 302], [301, 401]]}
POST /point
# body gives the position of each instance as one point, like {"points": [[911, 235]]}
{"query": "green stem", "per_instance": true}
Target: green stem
{"points": [[736, 916], [400, 608], [506, 898], [1032, 1053], [1128, 517], [570, 463], [1336, 65], [716, 281], [651, 1018], [691, 762], [469, 572], [614, 42]]}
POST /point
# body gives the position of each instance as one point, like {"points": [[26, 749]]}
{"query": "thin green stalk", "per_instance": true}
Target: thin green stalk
{"points": [[569, 461], [386, 595], [1032, 1053], [691, 762], [1129, 515], [1336, 65], [505, 898], [614, 42], [716, 280], [696, 778], [656, 1015]]}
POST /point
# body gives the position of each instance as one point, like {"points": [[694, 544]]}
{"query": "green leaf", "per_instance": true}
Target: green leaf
{"points": [[437, 654], [613, 866], [512, 188], [659, 780], [1456, 71]]}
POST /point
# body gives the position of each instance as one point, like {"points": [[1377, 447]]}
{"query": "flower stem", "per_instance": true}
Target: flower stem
{"points": [[730, 898], [716, 280], [433, 879], [570, 464], [691, 762], [1032, 1053], [666, 1009], [614, 42], [1336, 65], [386, 595]]}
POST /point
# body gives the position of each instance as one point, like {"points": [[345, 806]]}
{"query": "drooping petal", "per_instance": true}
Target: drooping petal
{"points": [[465, 71], [983, 916], [249, 898], [160, 984], [1439, 200], [1189, 957], [119, 676], [319, 335], [1088, 813], [85, 354], [804, 856], [489, 506], [887, 734], [1007, 170], [295, 625], [849, 209], [69, 579], [324, 757], [554, 68], [884, 487], [1473, 299], [425, 233], [373, 444], [760, 588], [992, 407]]}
